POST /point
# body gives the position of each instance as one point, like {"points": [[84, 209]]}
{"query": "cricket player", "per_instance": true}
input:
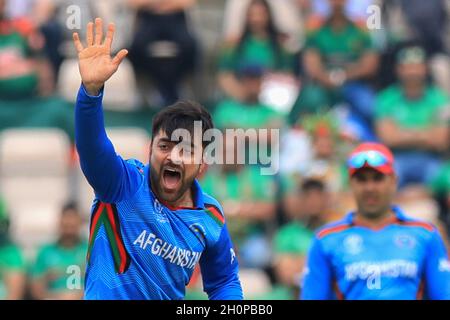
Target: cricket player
{"points": [[376, 252], [150, 224]]}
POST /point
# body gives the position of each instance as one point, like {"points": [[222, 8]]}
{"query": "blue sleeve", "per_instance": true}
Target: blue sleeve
{"points": [[112, 178], [437, 270], [219, 267], [317, 276]]}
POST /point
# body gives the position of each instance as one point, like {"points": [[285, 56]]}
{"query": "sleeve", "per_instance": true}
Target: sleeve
{"points": [[13, 259], [219, 267], [367, 41], [224, 115], [437, 270], [40, 266], [311, 41], [383, 108], [227, 60], [317, 276], [112, 178], [442, 104]]}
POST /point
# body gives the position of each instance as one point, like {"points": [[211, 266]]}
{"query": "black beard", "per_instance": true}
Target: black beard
{"points": [[155, 183]]}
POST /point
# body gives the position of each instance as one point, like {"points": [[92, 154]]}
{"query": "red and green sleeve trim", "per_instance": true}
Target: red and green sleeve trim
{"points": [[215, 214], [106, 214]]}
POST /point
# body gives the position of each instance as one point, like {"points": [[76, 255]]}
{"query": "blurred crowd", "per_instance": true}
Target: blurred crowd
{"points": [[327, 73]]}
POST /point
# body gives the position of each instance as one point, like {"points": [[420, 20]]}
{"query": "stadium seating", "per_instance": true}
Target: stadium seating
{"points": [[128, 143], [34, 182]]}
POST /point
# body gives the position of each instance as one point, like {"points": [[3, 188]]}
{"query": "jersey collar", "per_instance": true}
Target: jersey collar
{"points": [[397, 216]]}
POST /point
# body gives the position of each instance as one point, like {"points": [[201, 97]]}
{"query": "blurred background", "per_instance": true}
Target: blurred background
{"points": [[327, 73]]}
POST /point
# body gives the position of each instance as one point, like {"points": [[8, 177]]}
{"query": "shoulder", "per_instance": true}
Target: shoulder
{"points": [[11, 249], [227, 105], [389, 97], [229, 46], [332, 229], [423, 230], [214, 209], [315, 24], [421, 227], [360, 27], [393, 91], [46, 249], [11, 254], [439, 96], [137, 164]]}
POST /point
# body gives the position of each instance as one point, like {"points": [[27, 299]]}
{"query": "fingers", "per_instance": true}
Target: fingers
{"points": [[98, 31], [90, 34], [109, 35], [120, 56], [77, 42]]}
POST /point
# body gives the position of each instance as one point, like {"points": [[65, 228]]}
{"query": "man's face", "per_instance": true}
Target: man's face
{"points": [[2, 8], [252, 88], [373, 191], [70, 226], [337, 5], [173, 168], [324, 146], [412, 72], [314, 202], [258, 17]]}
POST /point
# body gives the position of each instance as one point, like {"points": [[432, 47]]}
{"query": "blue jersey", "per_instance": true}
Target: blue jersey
{"points": [[138, 247], [404, 260]]}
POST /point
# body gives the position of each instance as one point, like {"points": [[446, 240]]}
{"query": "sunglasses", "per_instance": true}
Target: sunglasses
{"points": [[372, 158]]}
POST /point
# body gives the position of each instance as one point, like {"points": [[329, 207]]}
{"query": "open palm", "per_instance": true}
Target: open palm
{"points": [[95, 61]]}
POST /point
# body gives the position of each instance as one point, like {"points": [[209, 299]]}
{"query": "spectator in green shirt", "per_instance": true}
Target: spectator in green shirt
{"points": [[440, 187], [248, 200], [411, 119], [58, 265], [291, 242], [247, 112], [338, 58], [260, 44], [12, 263], [22, 72]]}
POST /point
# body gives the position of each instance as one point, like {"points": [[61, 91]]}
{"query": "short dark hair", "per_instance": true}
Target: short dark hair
{"points": [[69, 207], [312, 185], [182, 115]]}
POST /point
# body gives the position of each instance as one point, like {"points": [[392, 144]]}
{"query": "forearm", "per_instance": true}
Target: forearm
{"points": [[38, 289], [315, 69], [408, 138], [438, 138], [395, 137], [46, 79], [405, 139], [219, 268], [230, 85], [15, 285], [230, 291], [364, 68], [98, 159]]}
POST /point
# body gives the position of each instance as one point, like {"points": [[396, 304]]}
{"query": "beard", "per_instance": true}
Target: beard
{"points": [[159, 178]]}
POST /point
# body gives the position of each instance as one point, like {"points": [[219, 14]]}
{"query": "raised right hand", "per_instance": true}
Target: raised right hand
{"points": [[95, 62]]}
